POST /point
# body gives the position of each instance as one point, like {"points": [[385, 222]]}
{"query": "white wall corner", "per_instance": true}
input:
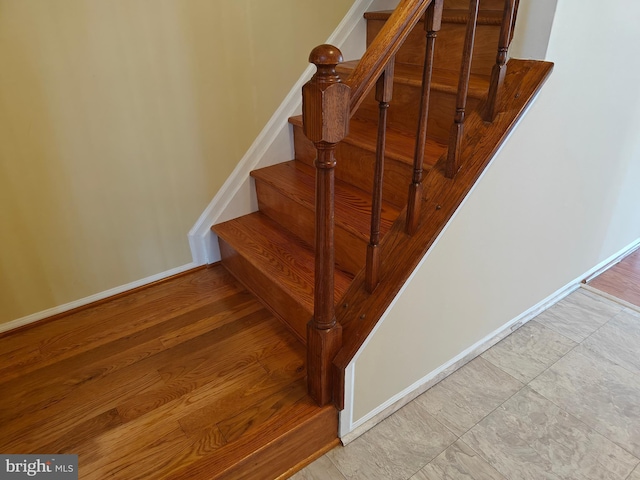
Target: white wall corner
{"points": [[273, 145]]}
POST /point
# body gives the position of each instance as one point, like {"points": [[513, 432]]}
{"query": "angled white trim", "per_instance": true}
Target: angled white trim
{"points": [[350, 430], [203, 242], [34, 317]]}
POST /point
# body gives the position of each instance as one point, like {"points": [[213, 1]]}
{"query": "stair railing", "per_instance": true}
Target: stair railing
{"points": [[499, 70], [328, 104]]}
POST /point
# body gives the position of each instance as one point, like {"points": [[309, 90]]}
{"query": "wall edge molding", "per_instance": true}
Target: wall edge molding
{"points": [[36, 317], [353, 430], [202, 241]]}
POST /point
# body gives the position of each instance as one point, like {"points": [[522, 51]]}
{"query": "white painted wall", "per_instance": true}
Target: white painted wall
{"points": [[560, 197]]}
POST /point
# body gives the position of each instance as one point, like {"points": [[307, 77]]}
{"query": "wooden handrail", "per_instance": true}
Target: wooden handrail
{"points": [[383, 48]]}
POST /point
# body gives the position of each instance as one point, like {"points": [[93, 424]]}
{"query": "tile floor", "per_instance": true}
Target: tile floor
{"points": [[557, 399]]}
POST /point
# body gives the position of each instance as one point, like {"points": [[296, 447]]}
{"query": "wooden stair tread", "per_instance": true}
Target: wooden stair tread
{"points": [[442, 80], [449, 15], [400, 146], [296, 180], [281, 256]]}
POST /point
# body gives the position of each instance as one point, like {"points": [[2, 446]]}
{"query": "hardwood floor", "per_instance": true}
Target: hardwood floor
{"points": [[622, 280], [190, 378]]}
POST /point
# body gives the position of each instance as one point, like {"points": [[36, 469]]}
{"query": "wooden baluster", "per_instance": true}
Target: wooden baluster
{"points": [[457, 129], [433, 21], [384, 91], [500, 68], [325, 111], [513, 19]]}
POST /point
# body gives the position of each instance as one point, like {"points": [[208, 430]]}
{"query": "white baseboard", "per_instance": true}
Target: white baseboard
{"points": [[35, 317], [273, 145], [350, 430]]}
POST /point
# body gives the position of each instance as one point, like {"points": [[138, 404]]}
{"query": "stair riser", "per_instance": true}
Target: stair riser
{"points": [[300, 220], [404, 109], [449, 44], [356, 166], [273, 296], [484, 4]]}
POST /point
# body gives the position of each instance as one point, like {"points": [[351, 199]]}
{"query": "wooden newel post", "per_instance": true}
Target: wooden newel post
{"points": [[325, 114]]}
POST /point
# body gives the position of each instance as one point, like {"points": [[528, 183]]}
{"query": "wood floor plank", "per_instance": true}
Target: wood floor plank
{"points": [[234, 401], [74, 439], [42, 386], [89, 329], [60, 417], [622, 280], [252, 418], [120, 401], [144, 461], [216, 366]]}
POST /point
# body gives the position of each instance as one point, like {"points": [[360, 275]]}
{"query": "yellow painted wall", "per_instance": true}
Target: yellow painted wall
{"points": [[119, 121]]}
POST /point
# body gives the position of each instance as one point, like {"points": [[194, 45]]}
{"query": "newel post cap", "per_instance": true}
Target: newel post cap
{"points": [[325, 99], [325, 55]]}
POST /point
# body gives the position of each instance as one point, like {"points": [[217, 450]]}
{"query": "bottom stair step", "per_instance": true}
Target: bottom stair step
{"points": [[275, 265], [297, 434]]}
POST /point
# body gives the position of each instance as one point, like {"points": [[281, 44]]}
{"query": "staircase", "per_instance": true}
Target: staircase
{"points": [[272, 251]]}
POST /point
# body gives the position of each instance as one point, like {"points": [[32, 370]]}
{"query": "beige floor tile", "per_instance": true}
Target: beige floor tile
{"points": [[396, 448], [602, 394], [468, 395], [530, 438], [635, 475], [321, 469], [579, 315], [529, 351], [458, 462], [619, 340]]}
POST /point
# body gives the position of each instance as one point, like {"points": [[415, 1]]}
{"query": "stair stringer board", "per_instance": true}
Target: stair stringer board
{"points": [[350, 429]]}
